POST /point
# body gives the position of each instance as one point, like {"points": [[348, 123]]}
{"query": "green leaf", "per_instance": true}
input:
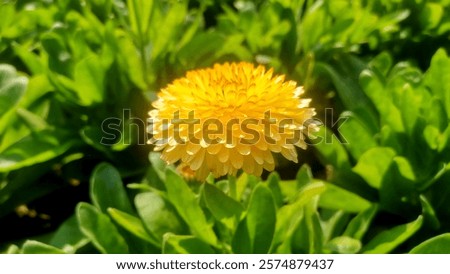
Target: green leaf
{"points": [[140, 12], [344, 245], [373, 165], [68, 237], [381, 97], [388, 240], [259, 222], [333, 222], [107, 189], [29, 58], [89, 79], [33, 121], [241, 243], [98, 228], [308, 234], [222, 207], [437, 78], [304, 176], [359, 225], [405, 169], [158, 165], [437, 245], [290, 216], [177, 244], [12, 88], [35, 247], [243, 184], [59, 59], [430, 218], [261, 219], [358, 138], [431, 15], [382, 62], [131, 224], [12, 249], [338, 198], [273, 182], [187, 205], [36, 148], [398, 188], [158, 215]]}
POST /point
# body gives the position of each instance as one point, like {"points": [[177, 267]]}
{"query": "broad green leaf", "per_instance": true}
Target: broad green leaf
{"points": [[437, 78], [36, 148], [172, 18], [304, 176], [261, 219], [344, 245], [290, 216], [359, 225], [35, 247], [241, 243], [29, 58], [12, 249], [158, 165], [187, 205], [98, 228], [373, 165], [107, 189], [437, 245], [68, 237], [382, 62], [178, 244], [398, 188], [338, 198], [140, 12], [380, 96], [89, 79], [273, 182], [158, 215], [38, 86], [433, 137], [313, 27], [209, 42], [222, 207], [405, 168], [355, 134], [129, 59], [388, 240], [59, 60], [243, 184], [308, 236], [333, 223], [431, 15], [12, 88], [132, 224]]}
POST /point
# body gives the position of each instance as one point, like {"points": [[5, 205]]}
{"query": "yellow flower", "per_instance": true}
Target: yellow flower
{"points": [[229, 117]]}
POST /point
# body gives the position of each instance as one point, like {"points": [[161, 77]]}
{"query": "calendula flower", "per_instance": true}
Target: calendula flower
{"points": [[229, 117]]}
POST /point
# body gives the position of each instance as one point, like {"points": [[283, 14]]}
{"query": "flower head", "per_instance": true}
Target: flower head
{"points": [[229, 117]]}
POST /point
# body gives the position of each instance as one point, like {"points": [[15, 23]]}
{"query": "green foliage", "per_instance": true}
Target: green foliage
{"points": [[166, 223], [407, 161], [77, 81]]}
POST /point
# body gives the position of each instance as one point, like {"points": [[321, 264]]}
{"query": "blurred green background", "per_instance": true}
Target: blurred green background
{"points": [[70, 69]]}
